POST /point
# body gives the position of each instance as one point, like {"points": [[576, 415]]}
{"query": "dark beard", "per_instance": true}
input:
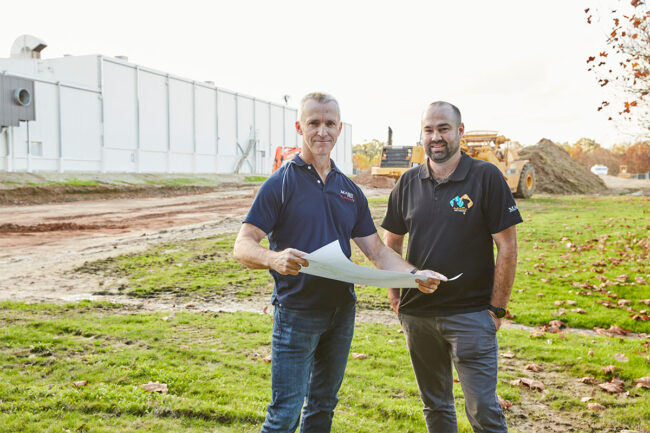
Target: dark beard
{"points": [[439, 157]]}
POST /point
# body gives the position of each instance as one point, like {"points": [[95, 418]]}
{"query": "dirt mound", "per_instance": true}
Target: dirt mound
{"points": [[365, 178], [558, 173]]}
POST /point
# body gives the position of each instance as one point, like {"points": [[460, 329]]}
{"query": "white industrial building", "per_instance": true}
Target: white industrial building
{"points": [[105, 114]]}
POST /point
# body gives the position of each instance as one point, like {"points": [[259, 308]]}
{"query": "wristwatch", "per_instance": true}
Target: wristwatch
{"points": [[500, 312]]}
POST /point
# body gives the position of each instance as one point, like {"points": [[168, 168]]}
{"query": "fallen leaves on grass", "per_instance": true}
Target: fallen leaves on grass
{"points": [[578, 310], [586, 399], [620, 357], [611, 387], [590, 353], [537, 333], [359, 355], [508, 354], [595, 406], [643, 382], [534, 367], [267, 359], [505, 404], [80, 383], [613, 330], [554, 326], [609, 369], [587, 379], [155, 387], [528, 383]]}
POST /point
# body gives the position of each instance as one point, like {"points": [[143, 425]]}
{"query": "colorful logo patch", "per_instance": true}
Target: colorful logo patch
{"points": [[461, 204], [347, 195]]}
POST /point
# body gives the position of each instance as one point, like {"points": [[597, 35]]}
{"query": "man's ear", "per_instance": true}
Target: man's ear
{"points": [[340, 127], [298, 128], [461, 129]]}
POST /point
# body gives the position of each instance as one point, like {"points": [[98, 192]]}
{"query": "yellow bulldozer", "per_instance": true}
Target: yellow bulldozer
{"points": [[484, 145]]}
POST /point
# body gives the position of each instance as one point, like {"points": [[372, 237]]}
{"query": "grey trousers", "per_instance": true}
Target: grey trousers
{"points": [[469, 341]]}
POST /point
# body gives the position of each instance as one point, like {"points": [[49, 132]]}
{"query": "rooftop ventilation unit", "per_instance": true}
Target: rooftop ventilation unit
{"points": [[27, 47]]}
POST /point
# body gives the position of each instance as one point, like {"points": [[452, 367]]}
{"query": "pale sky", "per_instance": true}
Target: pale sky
{"points": [[515, 66]]}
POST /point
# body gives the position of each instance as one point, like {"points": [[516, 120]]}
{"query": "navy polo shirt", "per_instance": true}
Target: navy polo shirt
{"points": [[450, 227], [298, 210]]}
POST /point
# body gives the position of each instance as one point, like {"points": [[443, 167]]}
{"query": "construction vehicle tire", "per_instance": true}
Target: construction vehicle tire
{"points": [[527, 182]]}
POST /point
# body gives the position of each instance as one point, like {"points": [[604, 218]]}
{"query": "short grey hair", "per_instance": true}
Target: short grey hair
{"points": [[320, 97], [441, 104]]}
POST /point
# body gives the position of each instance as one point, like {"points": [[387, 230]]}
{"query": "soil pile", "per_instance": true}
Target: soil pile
{"points": [[558, 173], [365, 178]]}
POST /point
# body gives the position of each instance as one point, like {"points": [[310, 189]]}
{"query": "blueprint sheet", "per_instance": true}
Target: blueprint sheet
{"points": [[330, 262]]}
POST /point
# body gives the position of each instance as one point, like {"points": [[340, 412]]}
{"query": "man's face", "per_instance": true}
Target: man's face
{"points": [[441, 134], [320, 127]]}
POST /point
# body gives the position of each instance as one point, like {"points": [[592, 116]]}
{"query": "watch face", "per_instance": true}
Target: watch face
{"points": [[500, 313]]}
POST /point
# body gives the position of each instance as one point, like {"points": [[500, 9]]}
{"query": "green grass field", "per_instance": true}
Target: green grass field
{"points": [[591, 250]]}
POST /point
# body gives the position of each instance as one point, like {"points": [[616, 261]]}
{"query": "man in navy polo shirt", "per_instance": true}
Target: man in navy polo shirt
{"points": [[454, 207], [303, 206]]}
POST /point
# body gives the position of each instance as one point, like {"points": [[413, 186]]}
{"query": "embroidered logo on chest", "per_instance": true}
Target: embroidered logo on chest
{"points": [[461, 204], [347, 195]]}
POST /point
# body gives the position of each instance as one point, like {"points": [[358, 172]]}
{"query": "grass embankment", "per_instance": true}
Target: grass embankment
{"points": [[214, 367]]}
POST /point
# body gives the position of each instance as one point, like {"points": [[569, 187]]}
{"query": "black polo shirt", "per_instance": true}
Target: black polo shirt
{"points": [[298, 211], [450, 226]]}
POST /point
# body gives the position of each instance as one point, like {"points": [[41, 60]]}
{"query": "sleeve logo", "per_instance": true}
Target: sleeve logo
{"points": [[511, 209], [461, 204]]}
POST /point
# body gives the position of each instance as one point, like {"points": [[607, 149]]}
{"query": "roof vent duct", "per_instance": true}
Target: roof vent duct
{"points": [[27, 47]]}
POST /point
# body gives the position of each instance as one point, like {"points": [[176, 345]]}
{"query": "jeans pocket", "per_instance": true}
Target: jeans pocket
{"points": [[479, 339]]}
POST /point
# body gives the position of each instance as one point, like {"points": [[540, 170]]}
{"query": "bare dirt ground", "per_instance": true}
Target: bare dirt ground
{"points": [[41, 244]]}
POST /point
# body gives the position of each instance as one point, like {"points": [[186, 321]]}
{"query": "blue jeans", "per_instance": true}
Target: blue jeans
{"points": [[309, 352], [469, 342]]}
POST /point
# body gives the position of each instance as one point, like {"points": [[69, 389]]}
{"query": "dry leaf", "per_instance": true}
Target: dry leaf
{"points": [[587, 379], [400, 331], [155, 387], [534, 367], [609, 369], [536, 333], [578, 310], [456, 380], [612, 388], [267, 359], [528, 383], [620, 357], [359, 355], [569, 302], [590, 353], [558, 303], [508, 354], [643, 382], [505, 404], [184, 347], [80, 383], [586, 399], [595, 406], [554, 326]]}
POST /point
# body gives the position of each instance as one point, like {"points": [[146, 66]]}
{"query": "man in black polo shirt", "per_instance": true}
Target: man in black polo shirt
{"points": [[303, 206], [454, 207]]}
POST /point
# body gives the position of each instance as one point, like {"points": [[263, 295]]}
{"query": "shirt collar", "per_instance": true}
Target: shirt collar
{"points": [[299, 162], [459, 173]]}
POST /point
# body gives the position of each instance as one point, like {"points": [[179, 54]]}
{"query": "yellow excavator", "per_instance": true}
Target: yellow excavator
{"points": [[484, 145]]}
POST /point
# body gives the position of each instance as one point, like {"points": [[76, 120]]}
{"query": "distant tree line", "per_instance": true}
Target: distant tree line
{"points": [[636, 156]]}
